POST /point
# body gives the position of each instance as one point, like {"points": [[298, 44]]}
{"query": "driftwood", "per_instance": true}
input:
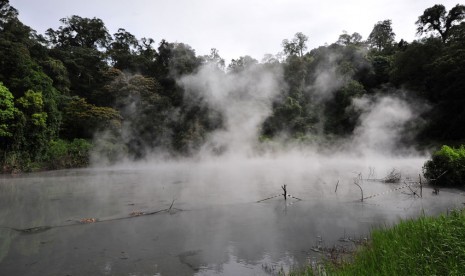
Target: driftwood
{"points": [[40, 229]]}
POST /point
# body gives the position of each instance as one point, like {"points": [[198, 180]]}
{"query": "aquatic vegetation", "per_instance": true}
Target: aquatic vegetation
{"points": [[424, 246], [446, 167]]}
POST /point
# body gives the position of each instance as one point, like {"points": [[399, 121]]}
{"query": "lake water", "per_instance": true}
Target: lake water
{"points": [[215, 225]]}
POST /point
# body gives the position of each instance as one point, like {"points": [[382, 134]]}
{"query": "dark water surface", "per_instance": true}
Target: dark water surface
{"points": [[214, 227]]}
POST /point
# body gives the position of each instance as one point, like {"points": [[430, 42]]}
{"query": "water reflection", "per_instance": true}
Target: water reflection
{"points": [[217, 228]]}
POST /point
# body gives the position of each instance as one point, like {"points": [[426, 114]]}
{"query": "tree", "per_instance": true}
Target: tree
{"points": [[382, 36], [145, 113], [146, 55], [80, 32], [83, 120], [410, 66], [241, 63], [7, 112], [35, 136], [7, 13], [215, 58], [296, 46], [184, 61], [437, 19], [341, 117], [79, 44], [122, 51], [457, 35], [346, 39]]}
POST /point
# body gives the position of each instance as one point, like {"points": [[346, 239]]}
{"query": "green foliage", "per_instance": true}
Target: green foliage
{"points": [[122, 50], [346, 39], [62, 154], [446, 167], [183, 60], [15, 162], [340, 117], [425, 246], [382, 68], [82, 120], [382, 35], [7, 13], [85, 82], [437, 19], [34, 138], [242, 63], [82, 32], [7, 111], [296, 46], [410, 66]]}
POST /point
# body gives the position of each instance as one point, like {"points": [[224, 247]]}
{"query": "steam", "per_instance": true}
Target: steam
{"points": [[233, 169], [234, 156], [327, 79], [382, 122], [244, 99]]}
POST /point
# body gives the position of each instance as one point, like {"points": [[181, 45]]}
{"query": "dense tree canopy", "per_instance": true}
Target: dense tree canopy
{"points": [[79, 87]]}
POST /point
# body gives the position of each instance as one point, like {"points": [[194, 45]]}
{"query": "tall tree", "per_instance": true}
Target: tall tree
{"points": [[382, 35], [241, 63], [122, 50], [80, 32], [215, 58], [80, 43], [346, 39], [437, 19], [296, 46], [7, 12]]}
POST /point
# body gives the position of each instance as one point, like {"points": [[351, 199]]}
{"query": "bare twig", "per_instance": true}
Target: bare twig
{"points": [[337, 184], [421, 186], [171, 206], [361, 190], [371, 174], [393, 177]]}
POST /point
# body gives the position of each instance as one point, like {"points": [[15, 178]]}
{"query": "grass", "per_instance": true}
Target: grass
{"points": [[424, 246]]}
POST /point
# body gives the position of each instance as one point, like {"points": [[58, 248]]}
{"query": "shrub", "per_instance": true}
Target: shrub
{"points": [[62, 154], [446, 167]]}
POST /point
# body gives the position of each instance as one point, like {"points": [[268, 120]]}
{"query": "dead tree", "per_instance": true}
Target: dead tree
{"points": [[285, 191]]}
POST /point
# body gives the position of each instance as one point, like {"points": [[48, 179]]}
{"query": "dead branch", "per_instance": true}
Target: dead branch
{"points": [[393, 177], [361, 190]]}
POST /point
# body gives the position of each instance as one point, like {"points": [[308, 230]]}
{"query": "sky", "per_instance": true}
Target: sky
{"points": [[234, 27]]}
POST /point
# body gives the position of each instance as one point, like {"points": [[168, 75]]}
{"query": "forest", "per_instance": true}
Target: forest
{"points": [[79, 91]]}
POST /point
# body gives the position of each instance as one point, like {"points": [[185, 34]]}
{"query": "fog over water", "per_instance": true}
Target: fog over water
{"points": [[215, 224]]}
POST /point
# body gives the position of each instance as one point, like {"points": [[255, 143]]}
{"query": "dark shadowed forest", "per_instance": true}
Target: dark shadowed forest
{"points": [[78, 93]]}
